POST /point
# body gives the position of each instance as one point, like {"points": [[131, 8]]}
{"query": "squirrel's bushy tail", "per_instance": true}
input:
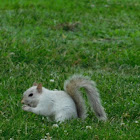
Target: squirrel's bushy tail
{"points": [[72, 86]]}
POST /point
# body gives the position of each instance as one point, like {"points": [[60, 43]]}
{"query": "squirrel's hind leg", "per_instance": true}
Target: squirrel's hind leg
{"points": [[62, 116]]}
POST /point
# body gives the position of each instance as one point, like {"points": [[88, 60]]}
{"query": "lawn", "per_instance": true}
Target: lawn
{"points": [[41, 40]]}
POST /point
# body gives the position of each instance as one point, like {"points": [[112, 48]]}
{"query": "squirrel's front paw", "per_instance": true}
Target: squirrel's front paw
{"points": [[26, 108]]}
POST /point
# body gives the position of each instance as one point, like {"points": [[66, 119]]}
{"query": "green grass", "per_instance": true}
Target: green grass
{"points": [[37, 43]]}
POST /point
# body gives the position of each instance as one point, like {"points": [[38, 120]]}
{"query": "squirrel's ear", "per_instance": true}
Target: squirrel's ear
{"points": [[39, 87], [35, 84]]}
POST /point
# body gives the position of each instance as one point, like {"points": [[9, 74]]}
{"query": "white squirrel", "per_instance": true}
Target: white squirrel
{"points": [[64, 105]]}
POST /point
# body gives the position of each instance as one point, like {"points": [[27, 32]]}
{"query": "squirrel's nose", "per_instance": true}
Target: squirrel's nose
{"points": [[22, 101]]}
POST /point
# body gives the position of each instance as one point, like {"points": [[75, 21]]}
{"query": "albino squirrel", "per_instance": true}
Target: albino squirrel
{"points": [[63, 105]]}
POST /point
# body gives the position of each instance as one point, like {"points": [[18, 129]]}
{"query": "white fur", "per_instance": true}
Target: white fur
{"points": [[56, 105]]}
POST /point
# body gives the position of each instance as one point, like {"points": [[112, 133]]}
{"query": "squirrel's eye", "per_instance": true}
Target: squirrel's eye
{"points": [[31, 94]]}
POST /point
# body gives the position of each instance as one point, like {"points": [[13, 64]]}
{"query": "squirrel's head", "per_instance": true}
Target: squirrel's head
{"points": [[31, 95]]}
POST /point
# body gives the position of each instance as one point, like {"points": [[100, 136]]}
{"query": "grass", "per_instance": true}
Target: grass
{"points": [[42, 40]]}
